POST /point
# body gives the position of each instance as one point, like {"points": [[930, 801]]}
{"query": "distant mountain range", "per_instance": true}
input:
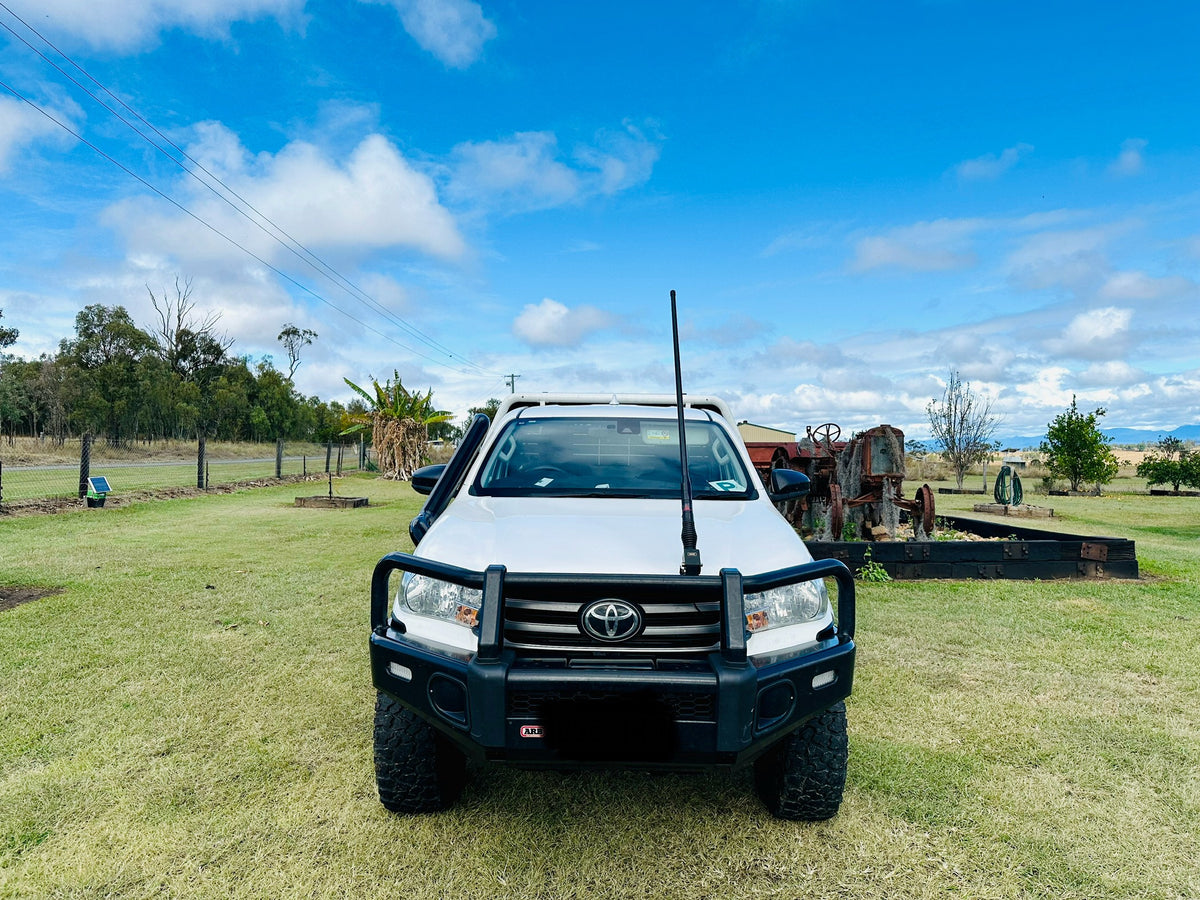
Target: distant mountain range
{"points": [[1118, 435]]}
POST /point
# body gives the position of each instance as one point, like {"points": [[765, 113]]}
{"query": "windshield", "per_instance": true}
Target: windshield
{"points": [[618, 457]]}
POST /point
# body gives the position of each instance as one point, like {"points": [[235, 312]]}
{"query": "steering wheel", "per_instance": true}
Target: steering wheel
{"points": [[827, 433]]}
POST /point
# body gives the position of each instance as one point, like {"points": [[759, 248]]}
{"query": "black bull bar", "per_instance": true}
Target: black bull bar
{"points": [[487, 727]]}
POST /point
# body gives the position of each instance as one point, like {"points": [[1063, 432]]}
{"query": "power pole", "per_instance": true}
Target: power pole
{"points": [[512, 383]]}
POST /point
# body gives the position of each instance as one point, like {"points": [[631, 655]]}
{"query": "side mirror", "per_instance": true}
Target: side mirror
{"points": [[788, 484], [426, 478]]}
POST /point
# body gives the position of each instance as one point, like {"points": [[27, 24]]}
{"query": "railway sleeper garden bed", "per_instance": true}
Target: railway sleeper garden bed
{"points": [[998, 550]]}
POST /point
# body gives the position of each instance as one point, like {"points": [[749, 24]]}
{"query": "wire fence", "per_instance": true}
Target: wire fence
{"points": [[33, 469]]}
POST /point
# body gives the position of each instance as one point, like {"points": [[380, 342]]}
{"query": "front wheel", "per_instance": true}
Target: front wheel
{"points": [[417, 770], [802, 777]]}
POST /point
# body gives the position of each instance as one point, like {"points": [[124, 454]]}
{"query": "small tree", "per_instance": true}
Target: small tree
{"points": [[1076, 450], [1171, 464], [962, 422], [1190, 464], [488, 409]]}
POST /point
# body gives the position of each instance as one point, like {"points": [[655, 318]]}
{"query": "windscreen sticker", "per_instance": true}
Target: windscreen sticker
{"points": [[544, 482], [724, 485], [657, 434]]}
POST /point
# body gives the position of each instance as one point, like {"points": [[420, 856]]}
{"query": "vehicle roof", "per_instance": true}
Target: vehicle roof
{"points": [[612, 404], [612, 411]]}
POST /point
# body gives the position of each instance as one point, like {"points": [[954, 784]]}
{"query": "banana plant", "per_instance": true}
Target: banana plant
{"points": [[399, 420]]}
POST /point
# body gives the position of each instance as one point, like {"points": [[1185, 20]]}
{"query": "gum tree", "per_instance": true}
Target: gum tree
{"points": [[8, 336]]}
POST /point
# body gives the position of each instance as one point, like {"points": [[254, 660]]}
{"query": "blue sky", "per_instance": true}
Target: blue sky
{"points": [[851, 199]]}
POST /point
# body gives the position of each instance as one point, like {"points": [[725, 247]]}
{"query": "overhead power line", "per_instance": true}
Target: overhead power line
{"points": [[220, 233], [260, 220]]}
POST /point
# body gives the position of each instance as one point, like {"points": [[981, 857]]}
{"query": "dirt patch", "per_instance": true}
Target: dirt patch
{"points": [[12, 597], [46, 506]]}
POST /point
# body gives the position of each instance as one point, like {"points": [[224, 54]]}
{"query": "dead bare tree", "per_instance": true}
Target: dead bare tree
{"points": [[190, 345], [963, 424]]}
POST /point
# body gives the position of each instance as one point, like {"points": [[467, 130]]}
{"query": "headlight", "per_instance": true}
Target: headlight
{"points": [[787, 605], [441, 599]]}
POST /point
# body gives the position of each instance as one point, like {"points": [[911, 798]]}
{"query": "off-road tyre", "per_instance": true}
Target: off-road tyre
{"points": [[417, 770], [802, 777]]}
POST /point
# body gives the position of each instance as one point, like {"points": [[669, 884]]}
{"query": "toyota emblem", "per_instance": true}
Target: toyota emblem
{"points": [[611, 621]]}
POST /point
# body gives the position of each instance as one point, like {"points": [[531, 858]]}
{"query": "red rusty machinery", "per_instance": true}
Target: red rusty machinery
{"points": [[870, 466]]}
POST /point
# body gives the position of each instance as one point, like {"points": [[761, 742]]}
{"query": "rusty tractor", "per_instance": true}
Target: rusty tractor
{"points": [[859, 481]]}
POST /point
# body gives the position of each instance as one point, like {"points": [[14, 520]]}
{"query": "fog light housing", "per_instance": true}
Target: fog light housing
{"points": [[449, 697], [775, 704], [825, 679]]}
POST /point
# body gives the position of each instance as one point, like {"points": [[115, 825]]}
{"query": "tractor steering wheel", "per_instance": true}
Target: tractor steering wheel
{"points": [[827, 433]]}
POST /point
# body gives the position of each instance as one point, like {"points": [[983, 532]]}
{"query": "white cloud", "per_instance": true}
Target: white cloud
{"points": [[1101, 334], [923, 247], [452, 30], [552, 324], [522, 171], [1130, 160], [22, 125], [990, 165], [801, 239], [125, 25], [1112, 374], [527, 171], [373, 199], [43, 319], [973, 353], [1045, 389], [788, 353], [1075, 258], [1140, 286], [620, 160], [1098, 325]]}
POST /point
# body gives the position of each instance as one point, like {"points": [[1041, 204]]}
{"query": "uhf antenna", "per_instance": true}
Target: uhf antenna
{"points": [[691, 556]]}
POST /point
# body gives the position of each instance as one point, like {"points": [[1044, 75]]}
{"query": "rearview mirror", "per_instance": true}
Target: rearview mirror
{"points": [[788, 484], [424, 479]]}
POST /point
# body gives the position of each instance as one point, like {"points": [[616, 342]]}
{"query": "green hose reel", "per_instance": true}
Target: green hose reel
{"points": [[1008, 487]]}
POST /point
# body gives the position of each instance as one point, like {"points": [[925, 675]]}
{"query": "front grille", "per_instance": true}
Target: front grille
{"points": [[687, 707], [672, 626]]}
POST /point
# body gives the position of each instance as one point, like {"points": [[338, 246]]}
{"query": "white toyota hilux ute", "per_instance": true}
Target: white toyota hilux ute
{"points": [[543, 619]]}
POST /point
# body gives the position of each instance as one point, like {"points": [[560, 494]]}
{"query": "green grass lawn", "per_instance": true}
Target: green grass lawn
{"points": [[27, 484], [190, 716]]}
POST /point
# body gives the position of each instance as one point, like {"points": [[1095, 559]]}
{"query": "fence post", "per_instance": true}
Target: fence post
{"points": [[328, 453], [85, 464], [341, 449], [1, 481], [279, 457], [201, 481]]}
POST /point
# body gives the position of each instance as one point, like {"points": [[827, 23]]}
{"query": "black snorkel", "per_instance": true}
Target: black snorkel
{"points": [[691, 555]]}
